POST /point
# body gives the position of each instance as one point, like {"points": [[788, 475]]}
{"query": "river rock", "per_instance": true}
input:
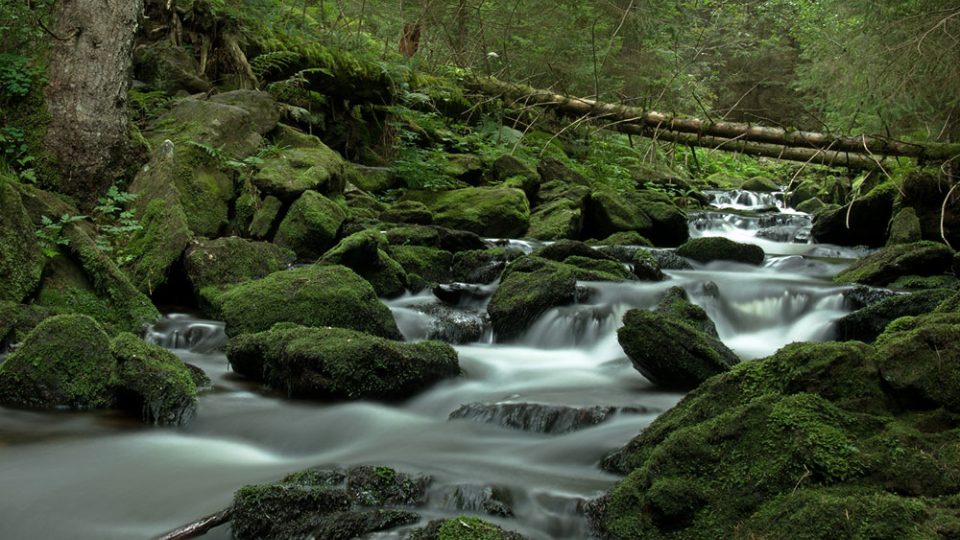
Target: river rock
{"points": [[331, 504], [717, 248], [646, 266], [455, 325], [436, 237], [372, 179], [293, 171], [904, 227], [648, 213], [463, 527], [21, 262], [412, 212], [867, 221], [153, 382], [315, 295], [311, 225], [335, 364], [489, 212], [868, 323], [226, 261], [431, 264], [762, 184], [364, 253], [669, 260], [482, 266], [541, 418], [490, 500], [861, 296], [925, 192], [885, 266], [461, 293], [561, 249]]}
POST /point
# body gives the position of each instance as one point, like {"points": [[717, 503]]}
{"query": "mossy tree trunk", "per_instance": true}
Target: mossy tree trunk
{"points": [[88, 79]]}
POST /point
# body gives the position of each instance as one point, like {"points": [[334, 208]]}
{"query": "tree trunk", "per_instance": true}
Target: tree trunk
{"points": [[650, 121], [88, 79]]}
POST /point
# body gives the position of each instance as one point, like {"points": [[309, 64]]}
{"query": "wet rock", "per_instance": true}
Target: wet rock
{"points": [[490, 500], [669, 260], [888, 264], [561, 249], [310, 226], [648, 213], [867, 220], [412, 212], [329, 504], [316, 295], [429, 263], [646, 267], [336, 364], [461, 293], [225, 261], [868, 323], [482, 266], [491, 212], [716, 248], [153, 382], [541, 418], [463, 528], [363, 252], [455, 326], [862, 296], [436, 237], [784, 234]]}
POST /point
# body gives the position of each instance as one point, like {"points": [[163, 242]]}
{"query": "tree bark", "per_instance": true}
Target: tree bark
{"points": [[650, 121], [88, 79]]}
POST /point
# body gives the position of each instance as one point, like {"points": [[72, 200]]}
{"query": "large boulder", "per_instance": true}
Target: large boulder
{"points": [[431, 264], [412, 212], [863, 224], [514, 173], [676, 346], [21, 261], [649, 213], [434, 236], [904, 227], [311, 225], [868, 323], [717, 248], [885, 266], [65, 362], [334, 363], [364, 253], [760, 183], [226, 261], [153, 382], [16, 320], [925, 191], [492, 212], [295, 170], [313, 295]]}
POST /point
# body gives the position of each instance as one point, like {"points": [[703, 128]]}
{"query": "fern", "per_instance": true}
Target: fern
{"points": [[273, 62]]}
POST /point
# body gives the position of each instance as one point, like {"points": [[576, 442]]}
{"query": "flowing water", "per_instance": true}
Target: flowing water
{"points": [[102, 475]]}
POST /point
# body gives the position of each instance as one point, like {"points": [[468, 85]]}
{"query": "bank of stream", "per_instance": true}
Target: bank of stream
{"points": [[101, 475]]}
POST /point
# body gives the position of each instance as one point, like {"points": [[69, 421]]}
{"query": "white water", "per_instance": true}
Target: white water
{"points": [[102, 476]]}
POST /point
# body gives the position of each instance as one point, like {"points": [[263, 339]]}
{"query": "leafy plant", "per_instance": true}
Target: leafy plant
{"points": [[50, 234], [16, 154], [115, 224], [16, 76]]}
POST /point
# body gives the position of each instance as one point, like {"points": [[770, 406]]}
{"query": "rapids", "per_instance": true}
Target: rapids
{"points": [[102, 475]]}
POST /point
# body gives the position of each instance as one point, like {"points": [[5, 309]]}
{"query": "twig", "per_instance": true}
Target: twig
{"points": [[943, 215], [74, 33]]}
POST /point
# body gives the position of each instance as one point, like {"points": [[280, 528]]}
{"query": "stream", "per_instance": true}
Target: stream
{"points": [[102, 475]]}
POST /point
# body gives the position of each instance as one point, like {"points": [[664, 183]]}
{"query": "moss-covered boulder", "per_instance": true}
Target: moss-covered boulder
{"points": [[492, 212], [364, 253], [21, 261], [264, 217], [531, 285], [412, 212], [314, 295], [437, 237], [868, 323], [431, 264], [372, 179], [481, 265], [515, 173], [885, 266], [332, 504], [65, 362], [863, 224], [904, 227], [561, 249], [153, 382], [648, 213], [925, 191], [925, 283], [716, 248], [810, 206], [295, 170], [463, 528], [311, 225], [676, 346], [230, 260], [760, 183], [623, 238], [335, 364], [16, 320], [919, 359]]}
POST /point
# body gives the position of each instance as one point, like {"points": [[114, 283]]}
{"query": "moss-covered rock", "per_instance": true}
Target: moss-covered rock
{"points": [[904, 227], [925, 283], [230, 260], [21, 261], [648, 213], [363, 252], [481, 266], [925, 191], [371, 179], [868, 323], [760, 183], [431, 264], [810, 206], [716, 248], [334, 363], [295, 170], [623, 238], [493, 212], [310, 226], [412, 212], [265, 215], [16, 320], [463, 528], [885, 266], [153, 382], [556, 220], [512, 171], [64, 362], [332, 504], [560, 250], [676, 346], [867, 220], [314, 295], [433, 236]]}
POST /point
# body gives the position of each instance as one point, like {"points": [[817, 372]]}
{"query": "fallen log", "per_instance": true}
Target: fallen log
{"points": [[199, 527], [662, 122]]}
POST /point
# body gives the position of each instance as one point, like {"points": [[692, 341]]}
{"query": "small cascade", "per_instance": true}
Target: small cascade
{"points": [[181, 331], [740, 199], [540, 418]]}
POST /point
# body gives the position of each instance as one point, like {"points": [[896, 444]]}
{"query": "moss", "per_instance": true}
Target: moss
{"points": [[16, 320], [923, 283], [153, 381], [429, 263], [314, 295], [716, 248], [434, 236], [921, 362], [21, 262], [463, 528], [412, 212], [481, 265], [264, 217], [810, 206], [624, 238], [225, 261], [362, 252], [244, 208], [867, 323], [561, 249], [64, 362], [295, 170], [651, 214], [494, 212], [310, 225], [334, 363], [591, 269], [904, 227], [760, 183], [279, 511], [371, 179], [556, 220], [885, 266], [205, 192]]}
